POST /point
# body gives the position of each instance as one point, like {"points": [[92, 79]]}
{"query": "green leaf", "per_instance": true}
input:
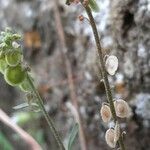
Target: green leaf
{"points": [[72, 136], [33, 106], [21, 106], [93, 5]]}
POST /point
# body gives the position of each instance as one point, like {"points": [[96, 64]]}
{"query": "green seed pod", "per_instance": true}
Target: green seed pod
{"points": [[25, 86], [14, 75], [3, 65], [2, 55], [13, 58]]}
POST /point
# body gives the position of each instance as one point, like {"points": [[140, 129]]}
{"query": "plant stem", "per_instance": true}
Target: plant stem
{"points": [[69, 71], [47, 117], [103, 70], [24, 135]]}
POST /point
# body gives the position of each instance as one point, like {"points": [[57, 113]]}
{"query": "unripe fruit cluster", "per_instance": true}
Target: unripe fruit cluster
{"points": [[11, 60]]}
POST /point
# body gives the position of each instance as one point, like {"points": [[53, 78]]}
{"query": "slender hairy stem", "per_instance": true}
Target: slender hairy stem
{"points": [[69, 71], [103, 70], [47, 117]]}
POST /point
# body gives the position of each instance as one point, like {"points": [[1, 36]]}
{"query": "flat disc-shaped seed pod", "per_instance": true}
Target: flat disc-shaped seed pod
{"points": [[111, 64], [109, 137], [122, 108], [25, 86], [105, 113], [3, 65], [14, 75], [13, 58]]}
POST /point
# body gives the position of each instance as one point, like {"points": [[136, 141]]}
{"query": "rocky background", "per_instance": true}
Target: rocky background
{"points": [[124, 27]]}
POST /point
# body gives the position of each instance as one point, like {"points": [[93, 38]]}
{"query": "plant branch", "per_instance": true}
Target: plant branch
{"points": [[103, 70], [24, 135], [47, 117]]}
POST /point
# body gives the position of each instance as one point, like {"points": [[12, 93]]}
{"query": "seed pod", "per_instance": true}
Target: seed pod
{"points": [[109, 137], [14, 75], [3, 65], [122, 108], [105, 113], [111, 64], [25, 86], [13, 58], [117, 132], [2, 54]]}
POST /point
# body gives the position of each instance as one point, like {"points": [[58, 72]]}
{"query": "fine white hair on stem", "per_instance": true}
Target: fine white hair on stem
{"points": [[117, 132]]}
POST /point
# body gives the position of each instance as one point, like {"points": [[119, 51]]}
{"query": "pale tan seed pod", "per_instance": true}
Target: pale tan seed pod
{"points": [[122, 108], [111, 64], [105, 113], [109, 137], [117, 132]]}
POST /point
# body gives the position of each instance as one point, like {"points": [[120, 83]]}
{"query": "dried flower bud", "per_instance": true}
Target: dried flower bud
{"points": [[105, 113], [81, 17], [111, 64], [109, 137], [117, 132], [15, 45], [122, 108]]}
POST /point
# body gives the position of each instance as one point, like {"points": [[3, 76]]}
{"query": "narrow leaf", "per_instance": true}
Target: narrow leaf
{"points": [[73, 135], [21, 106], [93, 5]]}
